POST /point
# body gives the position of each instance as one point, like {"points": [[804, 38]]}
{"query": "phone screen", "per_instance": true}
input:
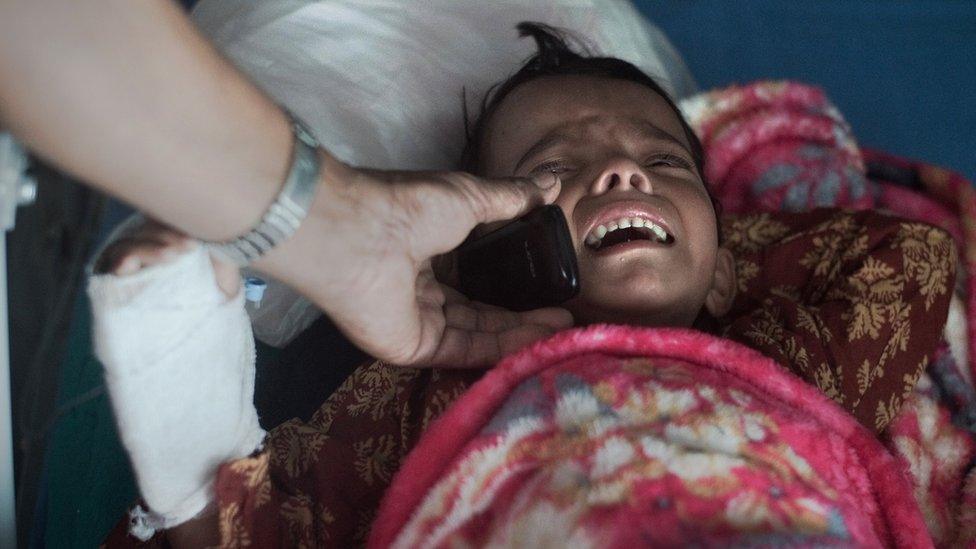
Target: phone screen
{"points": [[527, 264]]}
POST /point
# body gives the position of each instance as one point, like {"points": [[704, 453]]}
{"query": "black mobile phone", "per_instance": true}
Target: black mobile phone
{"points": [[527, 264]]}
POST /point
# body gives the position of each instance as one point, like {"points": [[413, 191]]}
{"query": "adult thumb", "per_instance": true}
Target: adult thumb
{"points": [[506, 198]]}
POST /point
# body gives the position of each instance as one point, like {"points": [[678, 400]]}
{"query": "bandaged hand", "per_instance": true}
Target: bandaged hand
{"points": [[152, 243], [364, 255], [171, 331]]}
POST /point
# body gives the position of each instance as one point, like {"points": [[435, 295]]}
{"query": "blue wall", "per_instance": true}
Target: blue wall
{"points": [[903, 73]]}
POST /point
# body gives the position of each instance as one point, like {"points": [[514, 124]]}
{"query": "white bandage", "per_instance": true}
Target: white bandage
{"points": [[179, 366]]}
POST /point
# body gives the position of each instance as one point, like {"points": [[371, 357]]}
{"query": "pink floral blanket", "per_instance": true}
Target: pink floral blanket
{"points": [[614, 436]]}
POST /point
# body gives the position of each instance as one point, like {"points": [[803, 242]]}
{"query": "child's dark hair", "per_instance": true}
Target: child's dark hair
{"points": [[555, 57]]}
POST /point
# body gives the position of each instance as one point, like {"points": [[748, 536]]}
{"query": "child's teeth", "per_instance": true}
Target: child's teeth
{"points": [[596, 235], [659, 232]]}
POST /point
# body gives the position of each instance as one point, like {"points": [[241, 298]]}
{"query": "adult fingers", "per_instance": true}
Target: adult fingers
{"points": [[487, 318], [506, 198], [463, 348], [476, 335], [556, 317], [474, 315], [511, 341]]}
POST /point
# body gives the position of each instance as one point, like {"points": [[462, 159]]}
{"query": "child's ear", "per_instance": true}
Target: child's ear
{"points": [[720, 297]]}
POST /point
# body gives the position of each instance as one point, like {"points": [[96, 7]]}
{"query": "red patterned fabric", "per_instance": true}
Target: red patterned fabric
{"points": [[615, 436], [943, 198], [852, 302]]}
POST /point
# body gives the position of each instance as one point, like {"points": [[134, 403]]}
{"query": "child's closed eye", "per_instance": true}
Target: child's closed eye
{"points": [[668, 161], [552, 166]]}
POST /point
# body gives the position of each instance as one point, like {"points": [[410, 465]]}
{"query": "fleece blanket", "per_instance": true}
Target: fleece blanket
{"points": [[615, 436]]}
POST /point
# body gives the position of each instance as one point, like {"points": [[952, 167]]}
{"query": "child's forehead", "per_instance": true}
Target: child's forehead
{"points": [[581, 122], [572, 103], [581, 132], [585, 102], [635, 127]]}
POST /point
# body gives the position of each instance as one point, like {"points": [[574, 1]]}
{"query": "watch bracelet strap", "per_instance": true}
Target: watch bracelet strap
{"points": [[286, 213]]}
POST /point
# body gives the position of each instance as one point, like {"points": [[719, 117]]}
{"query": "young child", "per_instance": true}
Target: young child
{"points": [[647, 237]]}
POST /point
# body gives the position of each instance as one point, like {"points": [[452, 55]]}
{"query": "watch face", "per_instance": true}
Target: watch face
{"points": [[289, 209]]}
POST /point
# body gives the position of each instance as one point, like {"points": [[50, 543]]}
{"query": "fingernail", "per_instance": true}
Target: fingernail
{"points": [[546, 180]]}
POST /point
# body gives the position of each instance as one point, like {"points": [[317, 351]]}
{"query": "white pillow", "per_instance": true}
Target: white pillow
{"points": [[379, 81]]}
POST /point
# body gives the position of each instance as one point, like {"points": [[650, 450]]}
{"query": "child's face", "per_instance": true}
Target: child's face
{"points": [[620, 152]]}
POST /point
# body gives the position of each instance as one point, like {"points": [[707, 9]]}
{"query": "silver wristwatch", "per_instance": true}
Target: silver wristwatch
{"points": [[289, 209]]}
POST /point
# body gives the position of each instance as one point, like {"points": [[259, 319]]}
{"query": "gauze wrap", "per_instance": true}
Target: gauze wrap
{"points": [[179, 367]]}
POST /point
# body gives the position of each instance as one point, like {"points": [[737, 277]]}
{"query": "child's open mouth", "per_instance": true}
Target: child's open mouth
{"points": [[626, 230]]}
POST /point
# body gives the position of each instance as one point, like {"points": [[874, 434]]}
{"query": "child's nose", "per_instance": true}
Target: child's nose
{"points": [[621, 174]]}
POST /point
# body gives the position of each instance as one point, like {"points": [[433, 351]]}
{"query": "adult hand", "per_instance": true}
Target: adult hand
{"points": [[364, 254]]}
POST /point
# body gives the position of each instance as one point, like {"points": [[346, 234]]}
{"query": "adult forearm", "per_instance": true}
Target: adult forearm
{"points": [[126, 95], [129, 97]]}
